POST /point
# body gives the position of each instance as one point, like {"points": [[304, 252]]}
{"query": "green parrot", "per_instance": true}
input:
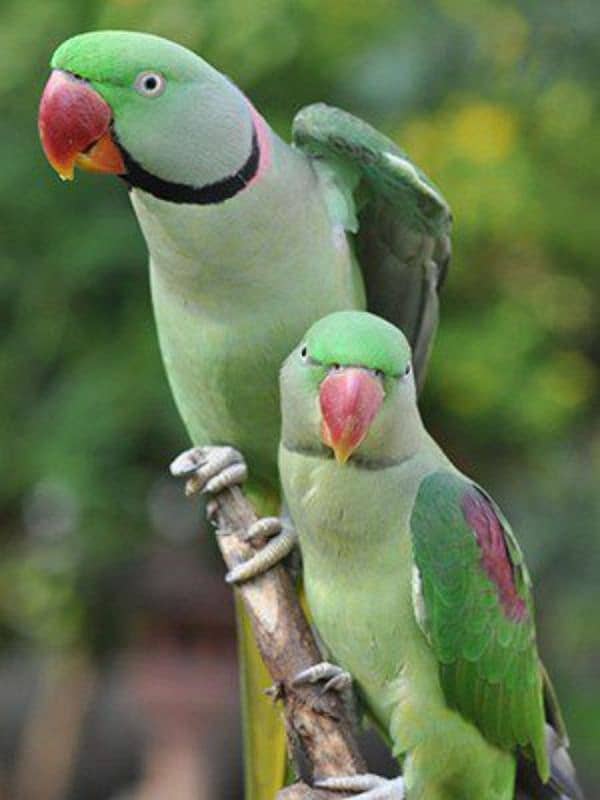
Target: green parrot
{"points": [[415, 581], [250, 241]]}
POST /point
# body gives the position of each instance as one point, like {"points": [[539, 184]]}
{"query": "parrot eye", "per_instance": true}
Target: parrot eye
{"points": [[304, 353], [406, 371], [150, 84]]}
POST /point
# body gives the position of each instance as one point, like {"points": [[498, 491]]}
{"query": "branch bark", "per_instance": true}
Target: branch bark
{"points": [[319, 729]]}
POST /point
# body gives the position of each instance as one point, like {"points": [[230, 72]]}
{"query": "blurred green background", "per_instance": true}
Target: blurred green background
{"points": [[100, 552]]}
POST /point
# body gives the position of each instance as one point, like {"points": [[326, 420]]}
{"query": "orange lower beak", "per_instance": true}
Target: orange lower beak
{"points": [[349, 399], [74, 124]]}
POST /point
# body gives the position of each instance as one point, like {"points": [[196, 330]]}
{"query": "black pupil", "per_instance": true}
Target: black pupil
{"points": [[150, 83], [304, 352]]}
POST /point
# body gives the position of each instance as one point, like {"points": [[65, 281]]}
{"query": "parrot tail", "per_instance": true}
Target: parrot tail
{"points": [[563, 784], [265, 744]]}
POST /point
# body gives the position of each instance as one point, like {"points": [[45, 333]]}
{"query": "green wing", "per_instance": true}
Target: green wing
{"points": [[475, 607], [401, 221]]}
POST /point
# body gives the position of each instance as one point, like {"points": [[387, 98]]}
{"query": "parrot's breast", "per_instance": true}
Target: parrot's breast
{"points": [[234, 287], [354, 537]]}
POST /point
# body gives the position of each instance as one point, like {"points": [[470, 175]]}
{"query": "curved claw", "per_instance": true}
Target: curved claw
{"points": [[210, 469], [336, 679], [366, 786], [339, 683], [264, 528], [272, 553], [232, 475]]}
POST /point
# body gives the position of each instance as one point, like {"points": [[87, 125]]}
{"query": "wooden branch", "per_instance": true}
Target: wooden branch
{"points": [[318, 727]]}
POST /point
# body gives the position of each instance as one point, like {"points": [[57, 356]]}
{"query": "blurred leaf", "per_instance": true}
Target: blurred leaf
{"points": [[499, 103]]}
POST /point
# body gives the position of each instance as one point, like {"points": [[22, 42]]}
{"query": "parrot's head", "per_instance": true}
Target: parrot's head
{"points": [[151, 111], [349, 386]]}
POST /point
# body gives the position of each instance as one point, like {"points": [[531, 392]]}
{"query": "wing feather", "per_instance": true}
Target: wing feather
{"points": [[402, 238], [479, 613]]}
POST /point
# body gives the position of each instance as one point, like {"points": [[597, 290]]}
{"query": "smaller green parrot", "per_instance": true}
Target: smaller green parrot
{"points": [[415, 581]]}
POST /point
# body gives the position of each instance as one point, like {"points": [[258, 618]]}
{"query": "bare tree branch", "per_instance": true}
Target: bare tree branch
{"points": [[318, 727]]}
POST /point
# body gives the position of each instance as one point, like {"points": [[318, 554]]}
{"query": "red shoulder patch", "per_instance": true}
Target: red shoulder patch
{"points": [[484, 522]]}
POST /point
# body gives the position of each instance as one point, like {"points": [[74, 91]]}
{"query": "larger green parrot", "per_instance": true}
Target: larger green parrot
{"points": [[415, 581], [250, 241]]}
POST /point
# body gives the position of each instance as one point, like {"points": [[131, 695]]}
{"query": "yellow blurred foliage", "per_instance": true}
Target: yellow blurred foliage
{"points": [[483, 132], [503, 32], [424, 139], [569, 379], [565, 109]]}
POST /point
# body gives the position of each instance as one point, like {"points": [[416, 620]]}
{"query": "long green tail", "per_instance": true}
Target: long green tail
{"points": [[265, 752], [265, 755]]}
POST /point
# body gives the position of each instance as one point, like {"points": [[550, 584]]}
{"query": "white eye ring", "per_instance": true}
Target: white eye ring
{"points": [[150, 84]]}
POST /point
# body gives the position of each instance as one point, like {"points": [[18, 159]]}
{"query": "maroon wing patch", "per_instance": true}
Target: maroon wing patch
{"points": [[486, 526]]}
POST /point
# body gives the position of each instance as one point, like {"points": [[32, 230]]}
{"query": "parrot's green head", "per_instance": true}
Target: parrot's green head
{"points": [[349, 386], [151, 111]]}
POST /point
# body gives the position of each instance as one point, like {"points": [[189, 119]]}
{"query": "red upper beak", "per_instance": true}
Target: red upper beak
{"points": [[350, 399], [74, 124]]}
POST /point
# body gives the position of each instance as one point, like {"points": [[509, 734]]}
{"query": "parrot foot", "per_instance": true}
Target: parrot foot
{"points": [[210, 469], [265, 527], [336, 679], [282, 540], [213, 469], [366, 787]]}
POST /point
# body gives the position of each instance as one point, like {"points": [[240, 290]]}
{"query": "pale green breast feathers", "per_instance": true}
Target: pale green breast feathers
{"points": [[234, 287], [474, 605], [353, 529]]}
